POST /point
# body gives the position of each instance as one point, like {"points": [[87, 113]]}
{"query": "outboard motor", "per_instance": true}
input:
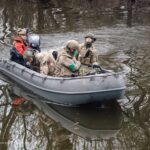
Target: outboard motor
{"points": [[34, 41]]}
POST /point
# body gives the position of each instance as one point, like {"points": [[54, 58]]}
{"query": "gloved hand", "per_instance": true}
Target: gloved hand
{"points": [[97, 66]]}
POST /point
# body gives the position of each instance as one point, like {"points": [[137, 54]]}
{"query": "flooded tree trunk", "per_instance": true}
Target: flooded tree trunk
{"points": [[130, 4], [6, 126]]}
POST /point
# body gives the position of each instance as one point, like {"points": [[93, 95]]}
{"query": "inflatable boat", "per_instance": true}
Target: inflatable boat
{"points": [[67, 90]]}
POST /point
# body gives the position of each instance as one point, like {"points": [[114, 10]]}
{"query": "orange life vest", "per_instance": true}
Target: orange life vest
{"points": [[19, 45]]}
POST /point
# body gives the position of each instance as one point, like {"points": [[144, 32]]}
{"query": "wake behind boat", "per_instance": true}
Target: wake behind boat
{"points": [[69, 90]]}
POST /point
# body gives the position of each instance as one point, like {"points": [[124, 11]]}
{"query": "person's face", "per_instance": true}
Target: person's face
{"points": [[24, 37], [88, 40]]}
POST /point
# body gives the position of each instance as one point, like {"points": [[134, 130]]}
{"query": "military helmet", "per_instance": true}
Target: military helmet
{"points": [[34, 41], [73, 44], [90, 35]]}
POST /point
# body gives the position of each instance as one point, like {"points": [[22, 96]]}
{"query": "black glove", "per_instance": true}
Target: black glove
{"points": [[99, 68], [95, 66]]}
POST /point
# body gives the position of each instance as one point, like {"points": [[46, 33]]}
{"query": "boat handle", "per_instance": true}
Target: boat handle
{"points": [[22, 71], [92, 79], [62, 81], [44, 79], [116, 75], [13, 65], [8, 67], [32, 75]]}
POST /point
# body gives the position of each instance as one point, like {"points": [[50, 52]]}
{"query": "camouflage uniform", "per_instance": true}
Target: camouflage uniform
{"points": [[87, 55], [67, 64], [63, 63], [47, 62]]}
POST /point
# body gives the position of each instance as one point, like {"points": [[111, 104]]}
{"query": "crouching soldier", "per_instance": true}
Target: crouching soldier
{"points": [[67, 64], [88, 53], [43, 62], [30, 60], [23, 42], [47, 62]]}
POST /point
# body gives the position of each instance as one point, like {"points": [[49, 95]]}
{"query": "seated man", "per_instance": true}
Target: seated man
{"points": [[31, 40], [22, 42], [47, 62], [30, 61], [88, 53], [67, 64], [43, 62], [18, 50]]}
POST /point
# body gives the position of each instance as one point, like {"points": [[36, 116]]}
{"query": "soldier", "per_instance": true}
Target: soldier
{"points": [[31, 40], [67, 64], [30, 61], [47, 62], [21, 43], [18, 50], [88, 53], [42, 62]]}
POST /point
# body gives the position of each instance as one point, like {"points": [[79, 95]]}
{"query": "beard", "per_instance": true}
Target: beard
{"points": [[88, 45]]}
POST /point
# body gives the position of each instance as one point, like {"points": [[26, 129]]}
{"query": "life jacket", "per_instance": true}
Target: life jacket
{"points": [[20, 45]]}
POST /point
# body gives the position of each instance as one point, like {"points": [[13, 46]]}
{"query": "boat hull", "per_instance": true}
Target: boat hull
{"points": [[67, 91]]}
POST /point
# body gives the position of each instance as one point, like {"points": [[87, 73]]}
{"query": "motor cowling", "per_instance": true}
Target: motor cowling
{"points": [[34, 41]]}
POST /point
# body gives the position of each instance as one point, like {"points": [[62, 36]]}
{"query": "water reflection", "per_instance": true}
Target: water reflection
{"points": [[29, 124], [86, 121], [62, 128], [71, 128]]}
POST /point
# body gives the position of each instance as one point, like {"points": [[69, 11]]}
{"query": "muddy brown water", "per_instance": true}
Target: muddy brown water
{"points": [[123, 39]]}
